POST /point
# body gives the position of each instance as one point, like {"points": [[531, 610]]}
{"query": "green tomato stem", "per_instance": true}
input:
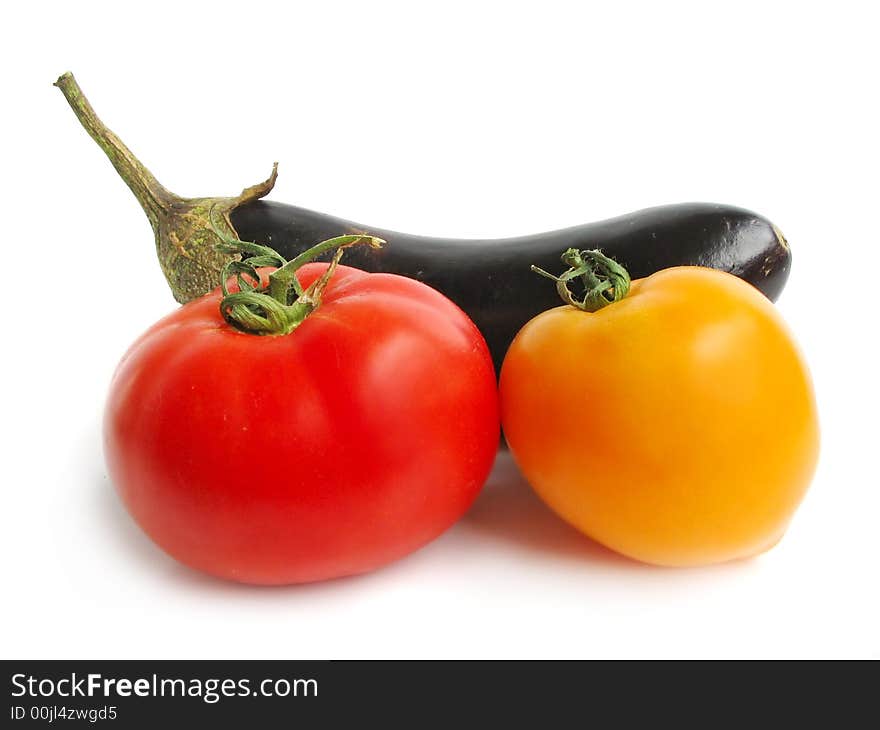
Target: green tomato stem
{"points": [[604, 280], [283, 305]]}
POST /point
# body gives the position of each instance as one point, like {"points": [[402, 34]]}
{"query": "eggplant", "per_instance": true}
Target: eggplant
{"points": [[490, 279]]}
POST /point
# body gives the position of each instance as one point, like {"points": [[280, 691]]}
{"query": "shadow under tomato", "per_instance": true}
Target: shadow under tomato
{"points": [[509, 510]]}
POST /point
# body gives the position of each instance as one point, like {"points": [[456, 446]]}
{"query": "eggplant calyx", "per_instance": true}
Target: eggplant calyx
{"points": [[185, 229]]}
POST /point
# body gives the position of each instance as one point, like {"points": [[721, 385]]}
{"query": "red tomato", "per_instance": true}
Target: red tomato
{"points": [[349, 443]]}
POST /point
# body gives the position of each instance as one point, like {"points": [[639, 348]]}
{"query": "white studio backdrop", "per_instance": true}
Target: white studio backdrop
{"points": [[471, 119]]}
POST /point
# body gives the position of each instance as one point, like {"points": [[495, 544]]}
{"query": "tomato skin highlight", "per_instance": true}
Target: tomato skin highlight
{"points": [[331, 451], [677, 426]]}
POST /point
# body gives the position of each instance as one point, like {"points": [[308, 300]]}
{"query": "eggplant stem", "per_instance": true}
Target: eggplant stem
{"points": [[185, 229]]}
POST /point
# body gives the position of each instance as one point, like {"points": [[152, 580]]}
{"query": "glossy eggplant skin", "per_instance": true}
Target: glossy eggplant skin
{"points": [[490, 279]]}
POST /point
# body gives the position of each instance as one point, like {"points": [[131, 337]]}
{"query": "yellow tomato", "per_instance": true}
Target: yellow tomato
{"points": [[676, 426]]}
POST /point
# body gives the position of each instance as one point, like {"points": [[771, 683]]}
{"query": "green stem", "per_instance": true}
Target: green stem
{"points": [[604, 280], [283, 305], [152, 195], [284, 279], [185, 229]]}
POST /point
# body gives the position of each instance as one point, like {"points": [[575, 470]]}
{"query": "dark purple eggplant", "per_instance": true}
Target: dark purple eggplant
{"points": [[490, 279]]}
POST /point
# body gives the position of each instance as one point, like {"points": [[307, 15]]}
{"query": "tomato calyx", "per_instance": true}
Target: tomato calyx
{"points": [[605, 281], [283, 305]]}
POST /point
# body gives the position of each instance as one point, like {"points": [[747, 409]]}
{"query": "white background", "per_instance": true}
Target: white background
{"points": [[448, 118]]}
